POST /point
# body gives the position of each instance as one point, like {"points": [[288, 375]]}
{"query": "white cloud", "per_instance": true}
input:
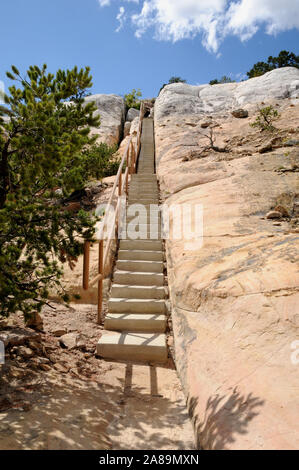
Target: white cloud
{"points": [[107, 3], [246, 16], [180, 19], [104, 3], [173, 20]]}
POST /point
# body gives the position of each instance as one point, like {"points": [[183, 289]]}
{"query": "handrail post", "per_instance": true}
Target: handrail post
{"points": [[127, 177], [100, 283], [103, 255], [86, 263], [133, 160], [120, 184], [130, 158]]}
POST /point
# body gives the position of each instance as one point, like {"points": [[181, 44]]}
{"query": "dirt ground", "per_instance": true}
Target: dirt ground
{"points": [[56, 398]]}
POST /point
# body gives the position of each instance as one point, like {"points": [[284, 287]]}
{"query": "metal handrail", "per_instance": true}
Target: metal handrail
{"points": [[121, 183]]}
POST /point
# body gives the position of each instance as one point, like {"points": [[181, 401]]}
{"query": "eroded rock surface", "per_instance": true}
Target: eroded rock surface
{"points": [[234, 292], [180, 98]]}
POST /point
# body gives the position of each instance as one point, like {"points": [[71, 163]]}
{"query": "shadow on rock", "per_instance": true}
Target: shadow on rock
{"points": [[224, 418]]}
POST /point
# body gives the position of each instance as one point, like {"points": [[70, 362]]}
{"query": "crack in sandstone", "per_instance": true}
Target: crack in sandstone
{"points": [[284, 293]]}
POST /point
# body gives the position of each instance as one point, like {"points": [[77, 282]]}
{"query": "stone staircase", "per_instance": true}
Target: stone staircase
{"points": [[137, 317]]}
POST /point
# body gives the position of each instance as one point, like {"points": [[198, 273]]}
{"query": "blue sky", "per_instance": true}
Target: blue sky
{"points": [[198, 40]]}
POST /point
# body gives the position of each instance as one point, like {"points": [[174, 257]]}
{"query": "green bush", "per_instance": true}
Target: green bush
{"points": [[265, 119], [99, 160], [224, 79], [284, 59], [133, 99]]}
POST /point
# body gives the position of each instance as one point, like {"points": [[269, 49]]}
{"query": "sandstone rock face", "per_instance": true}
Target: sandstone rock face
{"points": [[134, 126], [180, 98], [112, 109], [234, 291]]}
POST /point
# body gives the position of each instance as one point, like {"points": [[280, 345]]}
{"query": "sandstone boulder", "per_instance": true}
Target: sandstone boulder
{"points": [[274, 215], [72, 341], [25, 352], [58, 332], [240, 113], [18, 336]]}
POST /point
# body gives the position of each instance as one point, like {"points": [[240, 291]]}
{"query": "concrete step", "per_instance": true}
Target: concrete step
{"points": [[133, 347], [143, 235], [145, 189], [147, 227], [145, 180], [146, 236], [140, 266], [147, 245], [148, 178], [147, 208], [140, 306], [147, 323], [142, 187], [139, 195], [143, 201], [138, 221], [155, 219], [149, 184], [153, 195], [137, 292], [140, 255], [138, 278], [144, 193]]}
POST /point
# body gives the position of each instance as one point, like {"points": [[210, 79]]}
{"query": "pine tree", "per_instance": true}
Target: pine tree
{"points": [[171, 81], [284, 59]]}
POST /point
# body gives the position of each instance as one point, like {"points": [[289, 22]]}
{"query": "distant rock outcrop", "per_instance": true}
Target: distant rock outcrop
{"points": [[180, 98], [111, 109], [234, 291]]}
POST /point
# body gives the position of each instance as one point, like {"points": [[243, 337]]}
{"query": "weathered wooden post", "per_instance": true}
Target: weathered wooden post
{"points": [[120, 184], [86, 263], [133, 158], [100, 282]]}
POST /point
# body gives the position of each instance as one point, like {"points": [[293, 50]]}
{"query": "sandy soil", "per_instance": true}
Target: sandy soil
{"points": [[69, 399]]}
